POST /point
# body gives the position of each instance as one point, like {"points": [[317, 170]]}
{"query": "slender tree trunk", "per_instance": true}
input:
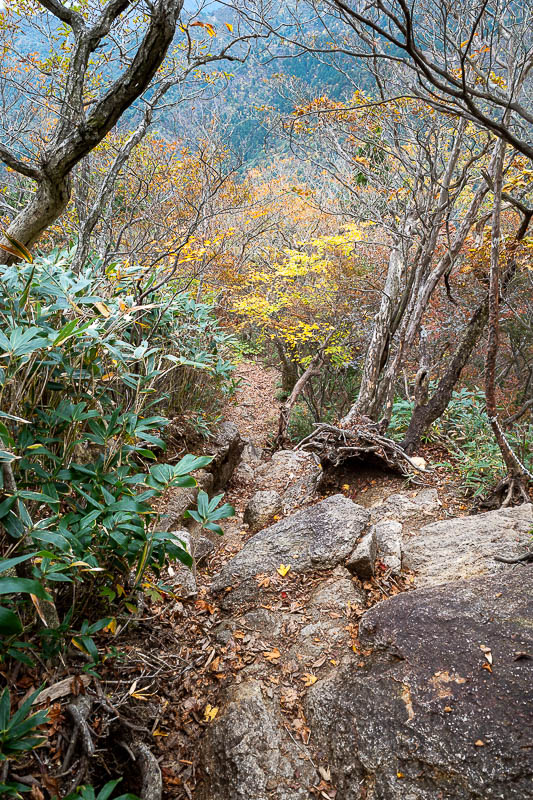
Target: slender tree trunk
{"points": [[377, 349], [426, 412], [518, 475], [289, 369], [299, 386]]}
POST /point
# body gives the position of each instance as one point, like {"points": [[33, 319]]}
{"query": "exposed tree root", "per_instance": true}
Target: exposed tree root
{"points": [[363, 439], [152, 779], [526, 558], [510, 491]]}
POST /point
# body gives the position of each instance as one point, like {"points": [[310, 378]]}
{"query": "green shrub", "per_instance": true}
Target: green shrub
{"points": [[82, 367], [465, 431], [19, 731]]}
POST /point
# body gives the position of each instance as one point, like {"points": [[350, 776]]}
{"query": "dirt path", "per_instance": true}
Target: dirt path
{"points": [[255, 410]]}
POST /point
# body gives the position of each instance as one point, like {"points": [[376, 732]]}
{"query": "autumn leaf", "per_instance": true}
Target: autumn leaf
{"points": [[206, 25], [283, 569], [309, 679], [229, 26], [479, 743], [210, 713], [272, 655], [112, 627]]}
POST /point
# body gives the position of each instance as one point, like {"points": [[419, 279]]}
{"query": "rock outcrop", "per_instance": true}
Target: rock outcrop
{"points": [[465, 547], [316, 538], [443, 706], [248, 757], [261, 509]]}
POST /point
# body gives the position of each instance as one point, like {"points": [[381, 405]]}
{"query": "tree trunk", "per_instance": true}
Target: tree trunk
{"points": [[47, 204], [376, 355], [425, 413], [289, 369], [299, 386], [517, 474]]}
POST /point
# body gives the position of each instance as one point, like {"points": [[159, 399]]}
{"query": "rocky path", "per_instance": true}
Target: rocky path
{"points": [[311, 670]]}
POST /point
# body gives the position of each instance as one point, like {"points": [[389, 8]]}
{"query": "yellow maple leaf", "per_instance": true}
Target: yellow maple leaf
{"points": [[283, 569], [309, 679]]}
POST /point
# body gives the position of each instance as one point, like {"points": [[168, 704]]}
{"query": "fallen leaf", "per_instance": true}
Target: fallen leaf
{"points": [[325, 773], [447, 708], [309, 679], [479, 743], [283, 569], [521, 655], [272, 655], [210, 713]]}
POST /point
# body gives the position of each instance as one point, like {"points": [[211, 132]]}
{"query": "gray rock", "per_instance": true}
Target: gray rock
{"points": [[362, 561], [337, 595], [465, 547], [422, 719], [319, 537], [244, 473], [400, 507], [251, 455], [300, 491], [261, 509], [226, 449], [181, 499], [184, 582], [389, 542], [292, 473], [201, 547], [247, 754]]}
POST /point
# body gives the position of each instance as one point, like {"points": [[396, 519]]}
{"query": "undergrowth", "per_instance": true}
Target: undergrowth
{"points": [[85, 373], [464, 430]]}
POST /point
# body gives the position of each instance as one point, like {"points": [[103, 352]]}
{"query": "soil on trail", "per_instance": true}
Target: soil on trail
{"points": [[255, 410]]}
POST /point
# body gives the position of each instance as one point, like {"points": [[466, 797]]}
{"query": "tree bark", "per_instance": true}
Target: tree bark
{"points": [[425, 413], [299, 386], [76, 134], [518, 475], [47, 204]]}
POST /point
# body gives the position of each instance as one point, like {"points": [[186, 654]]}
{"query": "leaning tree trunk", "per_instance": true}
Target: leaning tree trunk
{"points": [[285, 412], [47, 204], [426, 412], [514, 485], [76, 132], [376, 353]]}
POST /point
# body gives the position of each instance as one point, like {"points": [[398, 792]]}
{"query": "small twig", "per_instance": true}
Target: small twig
{"points": [[301, 747]]}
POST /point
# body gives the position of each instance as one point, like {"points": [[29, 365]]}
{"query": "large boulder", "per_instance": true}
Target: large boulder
{"points": [[225, 449], [292, 473], [389, 535], [316, 538], [443, 705], [261, 509], [401, 507], [465, 546]]}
